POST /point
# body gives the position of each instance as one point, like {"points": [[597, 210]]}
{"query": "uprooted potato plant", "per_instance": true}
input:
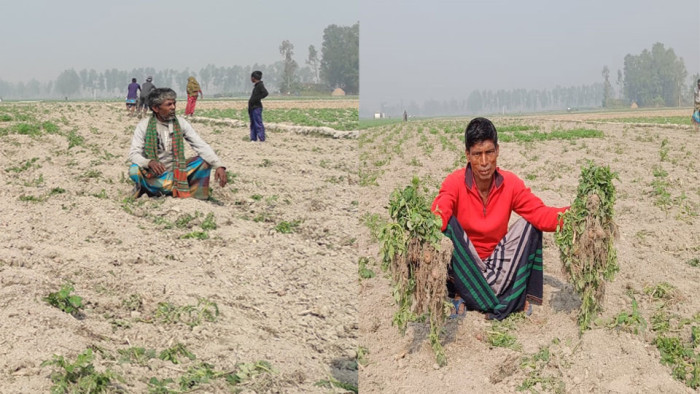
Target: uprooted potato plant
{"points": [[586, 240], [411, 247]]}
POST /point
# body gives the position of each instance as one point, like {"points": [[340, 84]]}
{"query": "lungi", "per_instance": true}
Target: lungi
{"points": [[198, 172], [500, 284]]}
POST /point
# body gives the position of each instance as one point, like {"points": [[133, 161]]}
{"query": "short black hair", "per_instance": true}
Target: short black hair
{"points": [[257, 75], [479, 130], [133, 79]]}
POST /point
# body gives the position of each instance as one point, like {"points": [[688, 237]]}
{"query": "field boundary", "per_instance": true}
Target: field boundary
{"points": [[661, 125], [305, 130]]}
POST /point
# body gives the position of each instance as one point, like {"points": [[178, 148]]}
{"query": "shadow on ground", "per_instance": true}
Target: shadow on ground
{"points": [[564, 299]]}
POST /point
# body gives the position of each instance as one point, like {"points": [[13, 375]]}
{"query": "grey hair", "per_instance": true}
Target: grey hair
{"points": [[159, 95]]}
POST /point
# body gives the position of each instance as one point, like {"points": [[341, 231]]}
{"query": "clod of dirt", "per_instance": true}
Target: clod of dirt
{"points": [[505, 369]]}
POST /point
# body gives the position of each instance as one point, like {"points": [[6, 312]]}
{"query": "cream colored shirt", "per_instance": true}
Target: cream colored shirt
{"points": [[165, 144]]}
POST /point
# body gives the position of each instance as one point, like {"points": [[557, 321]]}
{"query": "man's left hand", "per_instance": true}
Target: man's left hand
{"points": [[220, 175]]}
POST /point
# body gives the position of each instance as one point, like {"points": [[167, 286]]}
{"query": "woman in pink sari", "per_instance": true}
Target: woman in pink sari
{"points": [[193, 91]]}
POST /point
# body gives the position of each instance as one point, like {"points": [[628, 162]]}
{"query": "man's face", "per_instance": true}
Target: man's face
{"points": [[165, 111], [483, 157]]}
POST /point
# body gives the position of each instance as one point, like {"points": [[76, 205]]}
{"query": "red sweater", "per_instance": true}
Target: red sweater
{"points": [[487, 224]]}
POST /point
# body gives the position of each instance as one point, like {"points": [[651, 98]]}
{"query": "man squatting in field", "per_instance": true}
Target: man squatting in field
{"points": [[494, 269], [158, 154]]}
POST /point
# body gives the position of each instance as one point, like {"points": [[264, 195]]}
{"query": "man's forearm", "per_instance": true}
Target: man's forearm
{"points": [[139, 160]]}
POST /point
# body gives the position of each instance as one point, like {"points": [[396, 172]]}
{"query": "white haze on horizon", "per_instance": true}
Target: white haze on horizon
{"points": [[418, 51], [42, 38]]}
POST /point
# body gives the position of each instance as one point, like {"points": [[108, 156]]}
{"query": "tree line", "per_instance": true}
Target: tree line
{"points": [[508, 101], [336, 65], [653, 78]]}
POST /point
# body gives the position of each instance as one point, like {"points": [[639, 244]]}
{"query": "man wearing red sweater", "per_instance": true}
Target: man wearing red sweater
{"points": [[494, 269]]}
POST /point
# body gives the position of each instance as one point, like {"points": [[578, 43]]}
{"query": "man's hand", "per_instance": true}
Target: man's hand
{"points": [[156, 167], [220, 175]]}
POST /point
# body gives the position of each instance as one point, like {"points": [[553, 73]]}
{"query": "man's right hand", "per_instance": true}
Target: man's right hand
{"points": [[156, 167]]}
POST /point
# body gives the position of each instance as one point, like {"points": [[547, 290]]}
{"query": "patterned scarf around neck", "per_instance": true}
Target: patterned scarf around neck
{"points": [[181, 187]]}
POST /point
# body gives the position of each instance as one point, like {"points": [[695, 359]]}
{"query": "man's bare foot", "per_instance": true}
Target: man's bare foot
{"points": [[459, 310]]}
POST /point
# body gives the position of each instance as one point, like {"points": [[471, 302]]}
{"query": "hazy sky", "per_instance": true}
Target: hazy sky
{"points": [[442, 49], [41, 38]]}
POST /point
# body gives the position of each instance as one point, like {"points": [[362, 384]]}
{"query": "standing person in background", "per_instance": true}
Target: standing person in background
{"points": [[146, 89], [257, 129], [132, 96], [696, 112], [193, 91]]}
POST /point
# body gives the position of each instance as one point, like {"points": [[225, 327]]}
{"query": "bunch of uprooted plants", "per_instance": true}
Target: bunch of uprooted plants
{"points": [[586, 240], [418, 255]]}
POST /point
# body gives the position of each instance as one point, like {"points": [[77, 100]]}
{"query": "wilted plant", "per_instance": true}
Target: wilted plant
{"points": [[632, 322], [65, 301], [137, 355], [285, 227], [171, 353], [332, 382], [410, 245], [192, 315], [363, 271], [79, 376], [586, 240], [661, 291], [209, 222]]}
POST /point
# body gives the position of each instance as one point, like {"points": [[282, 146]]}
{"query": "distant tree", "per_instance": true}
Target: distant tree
{"points": [[33, 88], [83, 79], [340, 60], [114, 80], [475, 102], [206, 75], [313, 62], [68, 83], [619, 83], [306, 75], [288, 82], [607, 87], [654, 77], [20, 90], [97, 80]]}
